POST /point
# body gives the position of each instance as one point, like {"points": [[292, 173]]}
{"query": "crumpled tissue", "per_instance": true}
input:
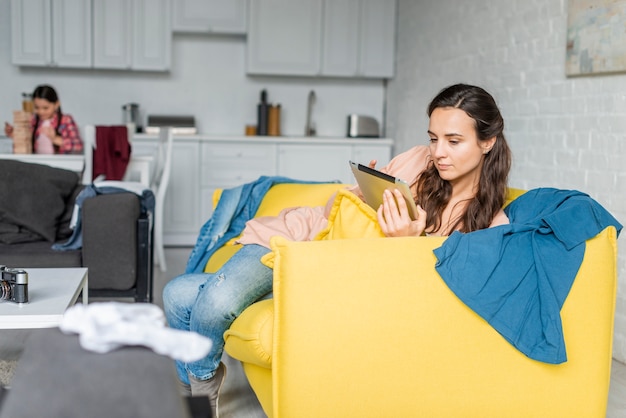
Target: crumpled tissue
{"points": [[106, 326]]}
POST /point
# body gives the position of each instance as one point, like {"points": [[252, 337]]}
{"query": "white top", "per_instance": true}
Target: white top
{"points": [[50, 292]]}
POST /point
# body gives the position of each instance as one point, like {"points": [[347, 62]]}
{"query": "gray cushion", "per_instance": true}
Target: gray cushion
{"points": [[34, 197], [38, 254], [110, 240]]}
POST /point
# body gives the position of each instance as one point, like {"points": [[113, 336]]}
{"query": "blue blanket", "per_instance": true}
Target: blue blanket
{"points": [[235, 207], [517, 276]]}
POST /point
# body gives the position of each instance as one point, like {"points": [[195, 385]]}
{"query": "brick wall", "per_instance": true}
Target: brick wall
{"points": [[568, 133]]}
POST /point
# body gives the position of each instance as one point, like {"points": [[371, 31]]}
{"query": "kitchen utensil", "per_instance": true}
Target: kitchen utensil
{"points": [[262, 114], [131, 114], [273, 123]]}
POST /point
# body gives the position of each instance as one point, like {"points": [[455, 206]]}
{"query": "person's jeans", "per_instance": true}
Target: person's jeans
{"points": [[208, 303]]}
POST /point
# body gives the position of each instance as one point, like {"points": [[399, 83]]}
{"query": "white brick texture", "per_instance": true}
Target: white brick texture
{"points": [[565, 132]]}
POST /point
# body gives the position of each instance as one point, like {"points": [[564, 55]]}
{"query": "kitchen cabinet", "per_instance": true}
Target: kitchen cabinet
{"points": [[132, 35], [284, 37], [315, 162], [113, 34], [51, 33], [226, 164], [181, 222], [202, 164], [359, 38], [334, 38], [210, 16]]}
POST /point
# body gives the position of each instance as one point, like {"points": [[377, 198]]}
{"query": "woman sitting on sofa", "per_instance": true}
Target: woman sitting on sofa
{"points": [[459, 183]]}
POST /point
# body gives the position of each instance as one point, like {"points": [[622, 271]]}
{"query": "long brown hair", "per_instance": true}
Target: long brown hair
{"points": [[434, 193]]}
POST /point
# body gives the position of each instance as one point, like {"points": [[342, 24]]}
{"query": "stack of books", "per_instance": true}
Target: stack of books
{"points": [[22, 133]]}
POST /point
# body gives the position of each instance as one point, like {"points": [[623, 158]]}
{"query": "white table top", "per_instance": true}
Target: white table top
{"points": [[50, 292]]}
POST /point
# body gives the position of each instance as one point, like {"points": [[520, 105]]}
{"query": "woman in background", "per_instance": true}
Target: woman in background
{"points": [[53, 132]]}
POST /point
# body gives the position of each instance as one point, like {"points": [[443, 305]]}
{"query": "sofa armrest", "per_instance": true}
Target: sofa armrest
{"points": [[109, 223], [370, 328]]}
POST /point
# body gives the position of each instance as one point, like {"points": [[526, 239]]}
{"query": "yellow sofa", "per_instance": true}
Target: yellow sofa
{"points": [[366, 328]]}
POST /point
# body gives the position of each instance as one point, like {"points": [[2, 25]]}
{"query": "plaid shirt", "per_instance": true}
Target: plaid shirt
{"points": [[72, 143]]}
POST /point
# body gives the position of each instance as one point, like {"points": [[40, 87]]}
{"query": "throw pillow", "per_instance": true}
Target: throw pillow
{"points": [[349, 217], [34, 196]]}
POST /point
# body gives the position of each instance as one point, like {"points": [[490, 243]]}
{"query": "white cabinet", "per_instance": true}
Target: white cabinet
{"points": [[377, 34], [152, 35], [359, 38], [132, 34], [284, 37], [341, 38], [210, 16], [181, 222], [71, 33], [314, 162], [113, 34], [51, 32], [226, 164], [365, 153], [345, 38], [319, 162], [31, 27], [201, 164]]}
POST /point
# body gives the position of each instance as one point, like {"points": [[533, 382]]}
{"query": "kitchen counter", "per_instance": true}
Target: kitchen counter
{"points": [[203, 163], [276, 139]]}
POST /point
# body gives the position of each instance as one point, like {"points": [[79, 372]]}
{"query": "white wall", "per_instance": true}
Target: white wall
{"points": [[564, 132], [207, 80]]}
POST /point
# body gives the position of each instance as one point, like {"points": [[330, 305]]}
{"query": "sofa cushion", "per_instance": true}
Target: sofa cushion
{"points": [[38, 254], [350, 217], [110, 249], [34, 197]]}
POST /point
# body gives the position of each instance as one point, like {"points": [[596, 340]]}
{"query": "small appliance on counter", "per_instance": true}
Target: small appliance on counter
{"points": [[360, 126], [131, 114], [181, 125]]}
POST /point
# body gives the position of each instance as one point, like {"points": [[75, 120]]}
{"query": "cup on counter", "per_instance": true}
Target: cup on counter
{"points": [[250, 130]]}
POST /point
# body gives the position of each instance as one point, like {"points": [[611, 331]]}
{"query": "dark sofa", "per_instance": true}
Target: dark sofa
{"points": [[36, 205]]}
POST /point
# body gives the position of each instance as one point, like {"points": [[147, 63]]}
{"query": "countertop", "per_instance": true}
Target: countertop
{"points": [[275, 139]]}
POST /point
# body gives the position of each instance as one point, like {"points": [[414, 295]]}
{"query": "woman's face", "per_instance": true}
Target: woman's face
{"points": [[455, 147], [45, 109]]}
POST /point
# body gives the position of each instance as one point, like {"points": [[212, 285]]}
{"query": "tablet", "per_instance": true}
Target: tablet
{"points": [[373, 183]]}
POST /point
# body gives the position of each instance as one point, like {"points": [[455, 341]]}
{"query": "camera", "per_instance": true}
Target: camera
{"points": [[13, 285]]}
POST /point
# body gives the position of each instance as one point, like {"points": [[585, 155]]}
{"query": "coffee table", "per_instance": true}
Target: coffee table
{"points": [[50, 292]]}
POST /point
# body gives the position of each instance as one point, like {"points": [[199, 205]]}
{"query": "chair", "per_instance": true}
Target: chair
{"points": [[159, 183], [89, 143]]}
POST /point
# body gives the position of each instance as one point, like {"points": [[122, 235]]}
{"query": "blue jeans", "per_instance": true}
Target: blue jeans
{"points": [[208, 303]]}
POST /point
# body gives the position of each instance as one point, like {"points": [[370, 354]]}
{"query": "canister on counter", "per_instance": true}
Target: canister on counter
{"points": [[273, 124]]}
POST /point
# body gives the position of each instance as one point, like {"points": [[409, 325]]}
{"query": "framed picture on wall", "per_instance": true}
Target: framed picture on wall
{"points": [[596, 37]]}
